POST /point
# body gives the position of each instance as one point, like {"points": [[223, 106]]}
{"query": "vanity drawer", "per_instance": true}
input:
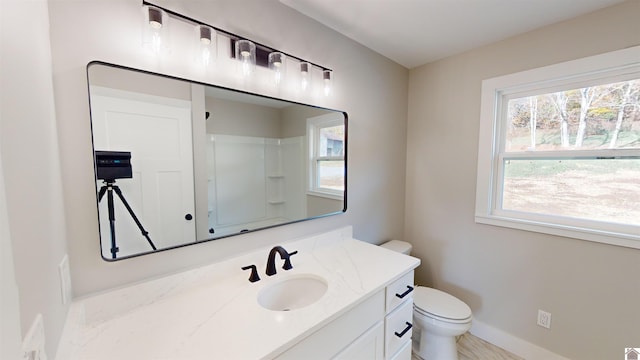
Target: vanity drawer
{"points": [[399, 291], [398, 327]]}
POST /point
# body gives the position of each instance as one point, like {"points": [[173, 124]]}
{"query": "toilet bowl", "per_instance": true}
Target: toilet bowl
{"points": [[438, 318]]}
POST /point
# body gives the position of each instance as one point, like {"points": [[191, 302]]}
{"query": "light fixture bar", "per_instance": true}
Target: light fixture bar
{"points": [[262, 51]]}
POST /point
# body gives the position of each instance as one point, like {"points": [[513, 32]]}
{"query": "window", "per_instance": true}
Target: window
{"points": [[326, 136], [559, 149]]}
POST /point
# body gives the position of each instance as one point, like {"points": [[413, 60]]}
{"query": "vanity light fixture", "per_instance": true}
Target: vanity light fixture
{"points": [[326, 78], [246, 54], [206, 44], [305, 78], [154, 27], [277, 63]]}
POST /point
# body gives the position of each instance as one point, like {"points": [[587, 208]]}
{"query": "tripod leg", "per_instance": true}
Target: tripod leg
{"points": [[112, 223], [145, 233], [103, 189]]}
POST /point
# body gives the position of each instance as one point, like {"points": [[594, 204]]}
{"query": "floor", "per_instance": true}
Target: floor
{"points": [[474, 348]]}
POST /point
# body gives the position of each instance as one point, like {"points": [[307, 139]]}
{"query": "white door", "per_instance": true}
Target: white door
{"points": [[161, 192]]}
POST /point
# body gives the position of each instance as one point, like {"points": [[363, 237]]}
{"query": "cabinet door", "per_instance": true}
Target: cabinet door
{"points": [[369, 346], [341, 333]]}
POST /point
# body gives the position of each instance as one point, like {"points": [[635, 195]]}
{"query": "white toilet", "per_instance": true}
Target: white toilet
{"points": [[437, 318]]}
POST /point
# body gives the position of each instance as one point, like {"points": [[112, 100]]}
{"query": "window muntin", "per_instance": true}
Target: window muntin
{"points": [[326, 136], [559, 150]]}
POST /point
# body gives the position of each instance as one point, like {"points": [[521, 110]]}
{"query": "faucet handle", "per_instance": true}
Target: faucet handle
{"points": [[287, 262], [254, 273]]}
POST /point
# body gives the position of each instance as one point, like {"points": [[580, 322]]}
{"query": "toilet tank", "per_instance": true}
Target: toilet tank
{"points": [[398, 246]]}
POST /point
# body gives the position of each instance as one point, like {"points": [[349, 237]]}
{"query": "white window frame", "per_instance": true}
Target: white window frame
{"points": [[610, 67], [313, 136]]}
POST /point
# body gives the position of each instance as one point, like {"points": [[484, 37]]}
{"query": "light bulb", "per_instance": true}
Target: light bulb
{"points": [[246, 63], [277, 65], [206, 43], [246, 54], [326, 76], [155, 28], [206, 56], [304, 75], [246, 66]]}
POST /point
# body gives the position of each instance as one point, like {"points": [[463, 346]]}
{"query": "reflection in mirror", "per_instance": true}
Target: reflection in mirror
{"points": [[180, 162]]}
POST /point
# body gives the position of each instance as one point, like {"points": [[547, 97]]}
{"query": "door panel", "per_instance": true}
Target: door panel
{"points": [[161, 191]]}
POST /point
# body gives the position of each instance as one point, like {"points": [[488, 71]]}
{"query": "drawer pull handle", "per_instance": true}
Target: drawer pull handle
{"points": [[409, 326], [409, 289]]}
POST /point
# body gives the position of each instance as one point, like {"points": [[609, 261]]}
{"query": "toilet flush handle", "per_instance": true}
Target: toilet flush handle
{"points": [[409, 290]]}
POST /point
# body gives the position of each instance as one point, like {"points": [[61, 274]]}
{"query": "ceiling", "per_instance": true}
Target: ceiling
{"points": [[415, 32]]}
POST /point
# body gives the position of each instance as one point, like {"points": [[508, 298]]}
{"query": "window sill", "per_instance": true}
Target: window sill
{"points": [[325, 195], [602, 236]]}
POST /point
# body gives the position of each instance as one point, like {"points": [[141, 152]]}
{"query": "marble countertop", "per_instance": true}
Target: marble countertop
{"points": [[212, 312]]}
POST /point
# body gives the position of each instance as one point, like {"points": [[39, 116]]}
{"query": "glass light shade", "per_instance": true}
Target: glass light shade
{"points": [[206, 49], [277, 63], [246, 55], [155, 28], [305, 75], [327, 78]]}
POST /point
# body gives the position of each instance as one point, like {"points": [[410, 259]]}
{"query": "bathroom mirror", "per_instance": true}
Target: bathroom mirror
{"points": [[180, 162]]}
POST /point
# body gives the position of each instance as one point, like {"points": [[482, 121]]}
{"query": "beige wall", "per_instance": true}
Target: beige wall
{"points": [[294, 119], [371, 88], [319, 205], [506, 275], [31, 167]]}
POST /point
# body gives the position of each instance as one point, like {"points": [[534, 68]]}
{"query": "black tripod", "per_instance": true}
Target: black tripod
{"points": [[109, 187]]}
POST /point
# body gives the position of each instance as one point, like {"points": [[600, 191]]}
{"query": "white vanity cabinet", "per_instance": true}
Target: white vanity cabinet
{"points": [[379, 328], [213, 312]]}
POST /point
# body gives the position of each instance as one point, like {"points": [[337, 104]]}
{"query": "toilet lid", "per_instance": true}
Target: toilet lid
{"points": [[439, 303]]}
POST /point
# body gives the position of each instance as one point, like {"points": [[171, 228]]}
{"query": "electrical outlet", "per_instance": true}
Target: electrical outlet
{"points": [[33, 343], [544, 319], [65, 279]]}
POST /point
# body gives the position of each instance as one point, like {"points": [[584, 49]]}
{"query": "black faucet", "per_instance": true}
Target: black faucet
{"points": [[284, 255]]}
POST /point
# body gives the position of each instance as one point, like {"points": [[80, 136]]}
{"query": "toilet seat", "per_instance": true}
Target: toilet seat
{"points": [[440, 305]]}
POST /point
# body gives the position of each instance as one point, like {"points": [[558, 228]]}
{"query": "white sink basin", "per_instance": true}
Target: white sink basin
{"points": [[293, 293]]}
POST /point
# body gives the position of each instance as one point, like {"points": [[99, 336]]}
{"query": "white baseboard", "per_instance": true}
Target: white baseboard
{"points": [[511, 343]]}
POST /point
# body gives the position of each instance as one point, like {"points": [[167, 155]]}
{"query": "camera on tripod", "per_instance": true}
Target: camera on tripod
{"points": [[112, 165]]}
